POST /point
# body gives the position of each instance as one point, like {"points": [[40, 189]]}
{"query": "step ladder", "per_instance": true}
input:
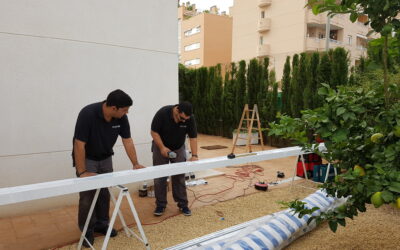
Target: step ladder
{"points": [[123, 192], [249, 119]]}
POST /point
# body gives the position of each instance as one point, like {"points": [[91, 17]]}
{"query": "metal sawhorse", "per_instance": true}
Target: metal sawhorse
{"points": [[123, 192]]}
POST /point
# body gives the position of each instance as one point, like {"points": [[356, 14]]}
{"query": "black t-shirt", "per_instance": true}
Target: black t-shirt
{"points": [[99, 135], [172, 134]]}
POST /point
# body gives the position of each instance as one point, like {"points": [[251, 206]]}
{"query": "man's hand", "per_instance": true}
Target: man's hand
{"points": [[164, 152], [87, 174], [194, 158], [138, 166]]}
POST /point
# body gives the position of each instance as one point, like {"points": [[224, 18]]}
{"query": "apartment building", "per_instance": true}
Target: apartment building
{"points": [[205, 38], [281, 28]]}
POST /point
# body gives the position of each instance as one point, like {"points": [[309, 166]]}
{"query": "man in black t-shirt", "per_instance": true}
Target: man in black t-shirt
{"points": [[97, 129], [169, 128]]}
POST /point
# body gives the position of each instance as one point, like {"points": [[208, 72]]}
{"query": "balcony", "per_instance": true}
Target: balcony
{"points": [[316, 19], [263, 50], [264, 24], [263, 3], [318, 44], [337, 22]]}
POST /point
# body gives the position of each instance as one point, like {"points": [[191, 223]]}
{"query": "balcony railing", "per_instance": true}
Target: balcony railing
{"points": [[315, 43], [263, 50], [264, 24], [263, 3], [311, 18]]}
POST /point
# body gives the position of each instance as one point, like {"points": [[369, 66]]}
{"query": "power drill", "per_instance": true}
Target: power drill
{"points": [[171, 155]]}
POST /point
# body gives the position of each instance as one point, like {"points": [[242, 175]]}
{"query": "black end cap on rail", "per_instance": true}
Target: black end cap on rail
{"points": [[231, 156]]}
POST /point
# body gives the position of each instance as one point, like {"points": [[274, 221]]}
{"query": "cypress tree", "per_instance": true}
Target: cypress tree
{"points": [[295, 91], [228, 104], [361, 66], [340, 67], [215, 99], [302, 80], [323, 76], [253, 82], [210, 108], [240, 90], [263, 91], [186, 83], [314, 79], [286, 88], [307, 94], [200, 102], [274, 96]]}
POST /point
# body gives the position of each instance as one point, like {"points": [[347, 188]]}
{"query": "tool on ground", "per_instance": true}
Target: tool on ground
{"points": [[143, 190], [263, 186], [280, 174]]}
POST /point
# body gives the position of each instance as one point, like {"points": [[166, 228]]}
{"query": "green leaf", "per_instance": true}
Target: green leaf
{"points": [[310, 220], [340, 111], [348, 115], [387, 29], [342, 222], [323, 91], [340, 135], [315, 9], [395, 187], [353, 17], [387, 196], [387, 5], [333, 226]]}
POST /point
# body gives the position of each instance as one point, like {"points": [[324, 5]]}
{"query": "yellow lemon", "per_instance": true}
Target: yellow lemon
{"points": [[398, 203], [376, 199], [359, 170], [375, 138]]}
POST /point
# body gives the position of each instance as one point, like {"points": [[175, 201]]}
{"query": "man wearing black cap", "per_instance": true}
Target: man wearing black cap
{"points": [[169, 128], [97, 129]]}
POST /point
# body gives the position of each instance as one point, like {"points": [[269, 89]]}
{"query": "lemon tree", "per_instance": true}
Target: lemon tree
{"points": [[360, 124], [359, 132]]}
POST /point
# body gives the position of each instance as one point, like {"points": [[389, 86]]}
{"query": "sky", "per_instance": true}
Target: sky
{"points": [[223, 5]]}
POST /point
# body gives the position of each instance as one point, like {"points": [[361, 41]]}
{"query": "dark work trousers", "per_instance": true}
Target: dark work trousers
{"points": [[100, 217], [178, 181]]}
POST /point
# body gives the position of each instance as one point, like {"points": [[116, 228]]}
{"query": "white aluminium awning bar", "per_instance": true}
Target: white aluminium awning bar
{"points": [[42, 190]]}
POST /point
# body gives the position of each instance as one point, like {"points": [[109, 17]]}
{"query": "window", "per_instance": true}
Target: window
{"points": [[192, 46], [349, 38], [193, 31], [192, 62], [261, 40], [262, 14]]}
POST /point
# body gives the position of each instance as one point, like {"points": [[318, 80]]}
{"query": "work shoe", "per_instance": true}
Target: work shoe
{"points": [[89, 237], [186, 211], [159, 211], [103, 231]]}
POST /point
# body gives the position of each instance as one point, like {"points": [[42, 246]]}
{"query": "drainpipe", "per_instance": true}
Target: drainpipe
{"points": [[327, 32]]}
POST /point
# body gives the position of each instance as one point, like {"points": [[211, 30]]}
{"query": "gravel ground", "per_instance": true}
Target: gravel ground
{"points": [[375, 229]]}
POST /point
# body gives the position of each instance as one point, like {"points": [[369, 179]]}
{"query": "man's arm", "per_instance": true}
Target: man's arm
{"points": [[131, 152], [193, 148], [157, 140], [79, 155]]}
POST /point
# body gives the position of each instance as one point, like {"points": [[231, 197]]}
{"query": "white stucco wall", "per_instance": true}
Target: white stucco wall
{"points": [[60, 55]]}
